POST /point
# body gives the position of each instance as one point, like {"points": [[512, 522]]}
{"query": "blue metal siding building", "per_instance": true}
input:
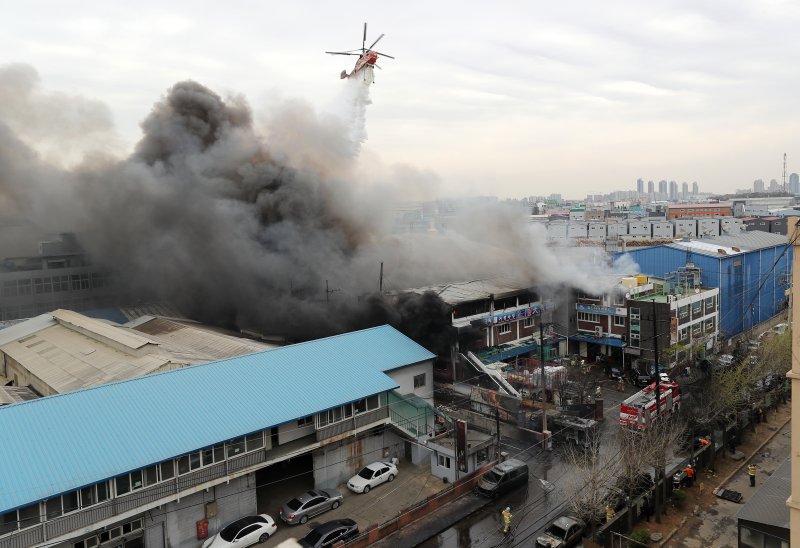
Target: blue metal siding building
{"points": [[751, 270]]}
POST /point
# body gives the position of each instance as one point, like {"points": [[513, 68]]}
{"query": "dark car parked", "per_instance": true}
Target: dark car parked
{"points": [[325, 535]]}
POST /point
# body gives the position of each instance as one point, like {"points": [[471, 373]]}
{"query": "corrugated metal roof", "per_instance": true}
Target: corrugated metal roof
{"points": [[13, 394], [195, 342], [746, 241], [768, 504], [97, 327], [460, 292], [59, 443]]}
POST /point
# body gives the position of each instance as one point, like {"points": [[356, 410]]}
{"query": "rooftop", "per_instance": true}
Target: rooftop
{"points": [[475, 290], [59, 443], [768, 504], [746, 241], [708, 204]]}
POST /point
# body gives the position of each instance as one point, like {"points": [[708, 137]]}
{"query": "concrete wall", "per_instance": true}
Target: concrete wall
{"points": [[337, 462], [685, 228], [707, 227], [577, 230], [290, 432], [663, 229]]}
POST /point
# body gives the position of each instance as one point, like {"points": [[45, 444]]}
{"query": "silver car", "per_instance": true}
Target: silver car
{"points": [[310, 504]]}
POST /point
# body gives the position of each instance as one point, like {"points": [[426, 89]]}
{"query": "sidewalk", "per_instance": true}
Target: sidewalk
{"points": [[707, 520]]}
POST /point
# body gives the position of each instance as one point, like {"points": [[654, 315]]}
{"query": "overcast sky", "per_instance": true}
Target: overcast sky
{"points": [[504, 98]]}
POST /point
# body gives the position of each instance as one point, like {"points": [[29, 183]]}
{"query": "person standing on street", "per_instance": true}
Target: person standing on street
{"points": [[507, 519], [751, 471]]}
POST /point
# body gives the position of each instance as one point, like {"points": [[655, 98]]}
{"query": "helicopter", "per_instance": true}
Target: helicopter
{"points": [[367, 57]]}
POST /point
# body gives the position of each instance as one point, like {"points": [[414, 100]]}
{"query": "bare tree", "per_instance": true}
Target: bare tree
{"points": [[661, 439], [586, 488], [634, 457]]}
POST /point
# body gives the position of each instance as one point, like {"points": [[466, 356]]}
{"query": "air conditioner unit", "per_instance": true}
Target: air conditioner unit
{"points": [[670, 298], [598, 331]]}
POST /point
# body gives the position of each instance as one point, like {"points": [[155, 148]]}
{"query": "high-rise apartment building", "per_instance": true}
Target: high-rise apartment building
{"points": [[673, 190], [662, 187], [639, 186], [651, 186], [794, 183], [684, 190], [758, 185], [773, 186], [695, 189]]}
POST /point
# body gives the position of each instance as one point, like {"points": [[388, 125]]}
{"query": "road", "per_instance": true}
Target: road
{"points": [[533, 508]]}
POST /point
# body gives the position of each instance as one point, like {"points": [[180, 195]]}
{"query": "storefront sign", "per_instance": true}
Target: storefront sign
{"points": [[605, 310], [505, 317]]}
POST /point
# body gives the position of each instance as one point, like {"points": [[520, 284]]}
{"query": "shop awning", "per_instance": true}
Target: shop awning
{"points": [[608, 341]]}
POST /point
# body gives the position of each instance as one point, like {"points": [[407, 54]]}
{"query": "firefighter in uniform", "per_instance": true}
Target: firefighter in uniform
{"points": [[751, 471], [507, 520]]}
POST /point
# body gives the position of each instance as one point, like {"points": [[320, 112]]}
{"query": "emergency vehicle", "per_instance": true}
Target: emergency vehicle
{"points": [[639, 410]]}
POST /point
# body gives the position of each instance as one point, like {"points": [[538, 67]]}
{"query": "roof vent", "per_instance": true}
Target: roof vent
{"points": [[735, 248], [721, 251]]}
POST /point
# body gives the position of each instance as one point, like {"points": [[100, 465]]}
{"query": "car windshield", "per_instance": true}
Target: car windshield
{"points": [[230, 532], [556, 531], [294, 504], [492, 477], [313, 537], [366, 473]]}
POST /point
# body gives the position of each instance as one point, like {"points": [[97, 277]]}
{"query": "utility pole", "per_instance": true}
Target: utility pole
{"points": [[655, 358], [545, 432], [497, 426], [328, 292], [380, 281]]}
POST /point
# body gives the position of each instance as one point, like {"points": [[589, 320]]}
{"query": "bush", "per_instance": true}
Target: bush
{"points": [[678, 497], [642, 536]]}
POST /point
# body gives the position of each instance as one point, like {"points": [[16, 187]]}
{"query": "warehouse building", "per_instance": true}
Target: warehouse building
{"points": [[752, 271]]}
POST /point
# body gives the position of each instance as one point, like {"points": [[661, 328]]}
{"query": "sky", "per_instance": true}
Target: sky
{"points": [[509, 99]]}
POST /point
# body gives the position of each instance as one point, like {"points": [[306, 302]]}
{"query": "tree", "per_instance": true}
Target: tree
{"points": [[659, 440], [586, 488], [633, 459]]}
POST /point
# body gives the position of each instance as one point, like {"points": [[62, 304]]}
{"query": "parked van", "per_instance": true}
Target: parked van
{"points": [[503, 477]]}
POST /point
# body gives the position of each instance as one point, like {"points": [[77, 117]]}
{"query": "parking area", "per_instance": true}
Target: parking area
{"points": [[413, 483]]}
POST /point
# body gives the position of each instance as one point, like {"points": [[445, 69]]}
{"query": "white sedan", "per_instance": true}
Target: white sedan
{"points": [[243, 532], [372, 475]]}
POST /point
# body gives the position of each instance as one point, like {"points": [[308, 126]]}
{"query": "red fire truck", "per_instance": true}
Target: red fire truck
{"points": [[639, 410]]}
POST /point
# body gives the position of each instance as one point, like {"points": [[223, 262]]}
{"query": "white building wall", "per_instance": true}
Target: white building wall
{"points": [[685, 228], [639, 228], [597, 231], [557, 231], [577, 230], [663, 229], [405, 378], [707, 227], [617, 229], [577, 215]]}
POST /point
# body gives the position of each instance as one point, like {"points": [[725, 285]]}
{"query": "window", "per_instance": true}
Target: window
{"points": [[588, 317], [503, 329], [634, 343], [709, 304], [28, 515], [151, 475], [697, 330], [136, 480], [53, 508], [444, 461], [123, 484], [619, 299], [167, 469], [254, 441], [683, 334], [235, 447], [709, 325], [527, 322], [419, 380], [305, 421], [635, 313], [42, 285], [70, 501], [619, 321], [697, 309], [683, 311], [24, 287]]}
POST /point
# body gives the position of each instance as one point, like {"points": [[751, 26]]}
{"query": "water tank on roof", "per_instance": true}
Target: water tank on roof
{"points": [[641, 279]]}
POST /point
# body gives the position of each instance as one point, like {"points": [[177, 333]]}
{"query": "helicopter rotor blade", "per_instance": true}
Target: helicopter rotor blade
{"points": [[376, 41], [364, 41], [384, 55], [378, 66], [340, 53]]}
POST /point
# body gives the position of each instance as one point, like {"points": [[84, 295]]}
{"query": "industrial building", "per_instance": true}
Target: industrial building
{"points": [[142, 462], [752, 271]]}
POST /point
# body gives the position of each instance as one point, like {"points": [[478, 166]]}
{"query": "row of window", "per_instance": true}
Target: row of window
{"points": [[706, 326], [697, 308], [588, 317], [505, 328], [344, 412], [110, 534], [56, 284]]}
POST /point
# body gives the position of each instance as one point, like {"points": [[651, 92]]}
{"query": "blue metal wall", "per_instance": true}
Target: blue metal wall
{"points": [[751, 289]]}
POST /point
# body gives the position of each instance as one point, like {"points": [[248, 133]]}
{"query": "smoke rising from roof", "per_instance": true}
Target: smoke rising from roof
{"points": [[247, 226]]}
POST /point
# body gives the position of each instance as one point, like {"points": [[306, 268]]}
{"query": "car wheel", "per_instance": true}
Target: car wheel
{"points": [[391, 477], [335, 505], [303, 520], [366, 489], [263, 538]]}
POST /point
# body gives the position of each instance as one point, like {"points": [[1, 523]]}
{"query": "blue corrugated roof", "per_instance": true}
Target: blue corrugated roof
{"points": [[59, 443]]}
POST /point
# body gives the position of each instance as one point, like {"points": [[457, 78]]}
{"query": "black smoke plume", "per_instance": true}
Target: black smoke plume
{"points": [[279, 234]]}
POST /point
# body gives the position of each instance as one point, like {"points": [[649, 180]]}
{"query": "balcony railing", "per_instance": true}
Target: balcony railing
{"points": [[353, 423]]}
